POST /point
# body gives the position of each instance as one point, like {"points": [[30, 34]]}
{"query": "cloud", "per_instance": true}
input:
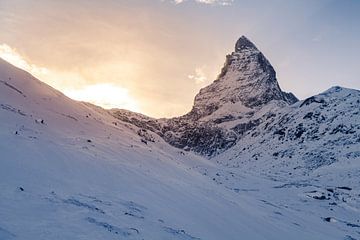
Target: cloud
{"points": [[106, 95], [199, 77], [11, 55], [56, 79], [211, 2]]}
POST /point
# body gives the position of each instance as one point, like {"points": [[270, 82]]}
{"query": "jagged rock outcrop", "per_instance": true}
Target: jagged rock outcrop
{"points": [[224, 110]]}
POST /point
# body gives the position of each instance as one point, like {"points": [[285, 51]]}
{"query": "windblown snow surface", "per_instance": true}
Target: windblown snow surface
{"points": [[71, 170]]}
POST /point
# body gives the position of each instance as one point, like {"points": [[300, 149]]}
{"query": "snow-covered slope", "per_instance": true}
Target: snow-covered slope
{"points": [[69, 170], [310, 134], [312, 150], [307, 153]]}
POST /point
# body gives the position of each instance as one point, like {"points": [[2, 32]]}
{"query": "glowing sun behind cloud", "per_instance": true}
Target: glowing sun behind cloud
{"points": [[106, 95]]}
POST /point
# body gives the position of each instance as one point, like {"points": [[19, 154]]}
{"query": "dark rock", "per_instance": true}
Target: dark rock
{"points": [[330, 190], [321, 197], [244, 43], [310, 100]]}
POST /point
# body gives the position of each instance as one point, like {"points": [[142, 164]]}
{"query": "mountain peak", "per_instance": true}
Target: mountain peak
{"points": [[247, 79], [244, 43]]}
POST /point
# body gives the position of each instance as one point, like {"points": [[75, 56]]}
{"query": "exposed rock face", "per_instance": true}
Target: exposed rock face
{"points": [[224, 110]]}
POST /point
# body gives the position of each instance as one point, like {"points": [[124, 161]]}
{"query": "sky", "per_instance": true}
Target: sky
{"points": [[153, 56]]}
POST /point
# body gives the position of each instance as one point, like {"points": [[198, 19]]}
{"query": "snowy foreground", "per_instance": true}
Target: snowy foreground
{"points": [[70, 170]]}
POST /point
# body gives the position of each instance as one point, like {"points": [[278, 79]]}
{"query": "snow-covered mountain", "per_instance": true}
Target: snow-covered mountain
{"points": [[245, 122], [69, 170], [249, 161], [225, 109], [245, 106], [247, 80], [305, 136]]}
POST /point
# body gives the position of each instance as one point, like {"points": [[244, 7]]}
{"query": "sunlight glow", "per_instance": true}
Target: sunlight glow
{"points": [[105, 95], [12, 56]]}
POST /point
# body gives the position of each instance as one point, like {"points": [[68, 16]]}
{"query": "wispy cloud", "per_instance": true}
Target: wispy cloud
{"points": [[11, 55], [106, 95], [211, 2], [199, 77], [55, 79]]}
